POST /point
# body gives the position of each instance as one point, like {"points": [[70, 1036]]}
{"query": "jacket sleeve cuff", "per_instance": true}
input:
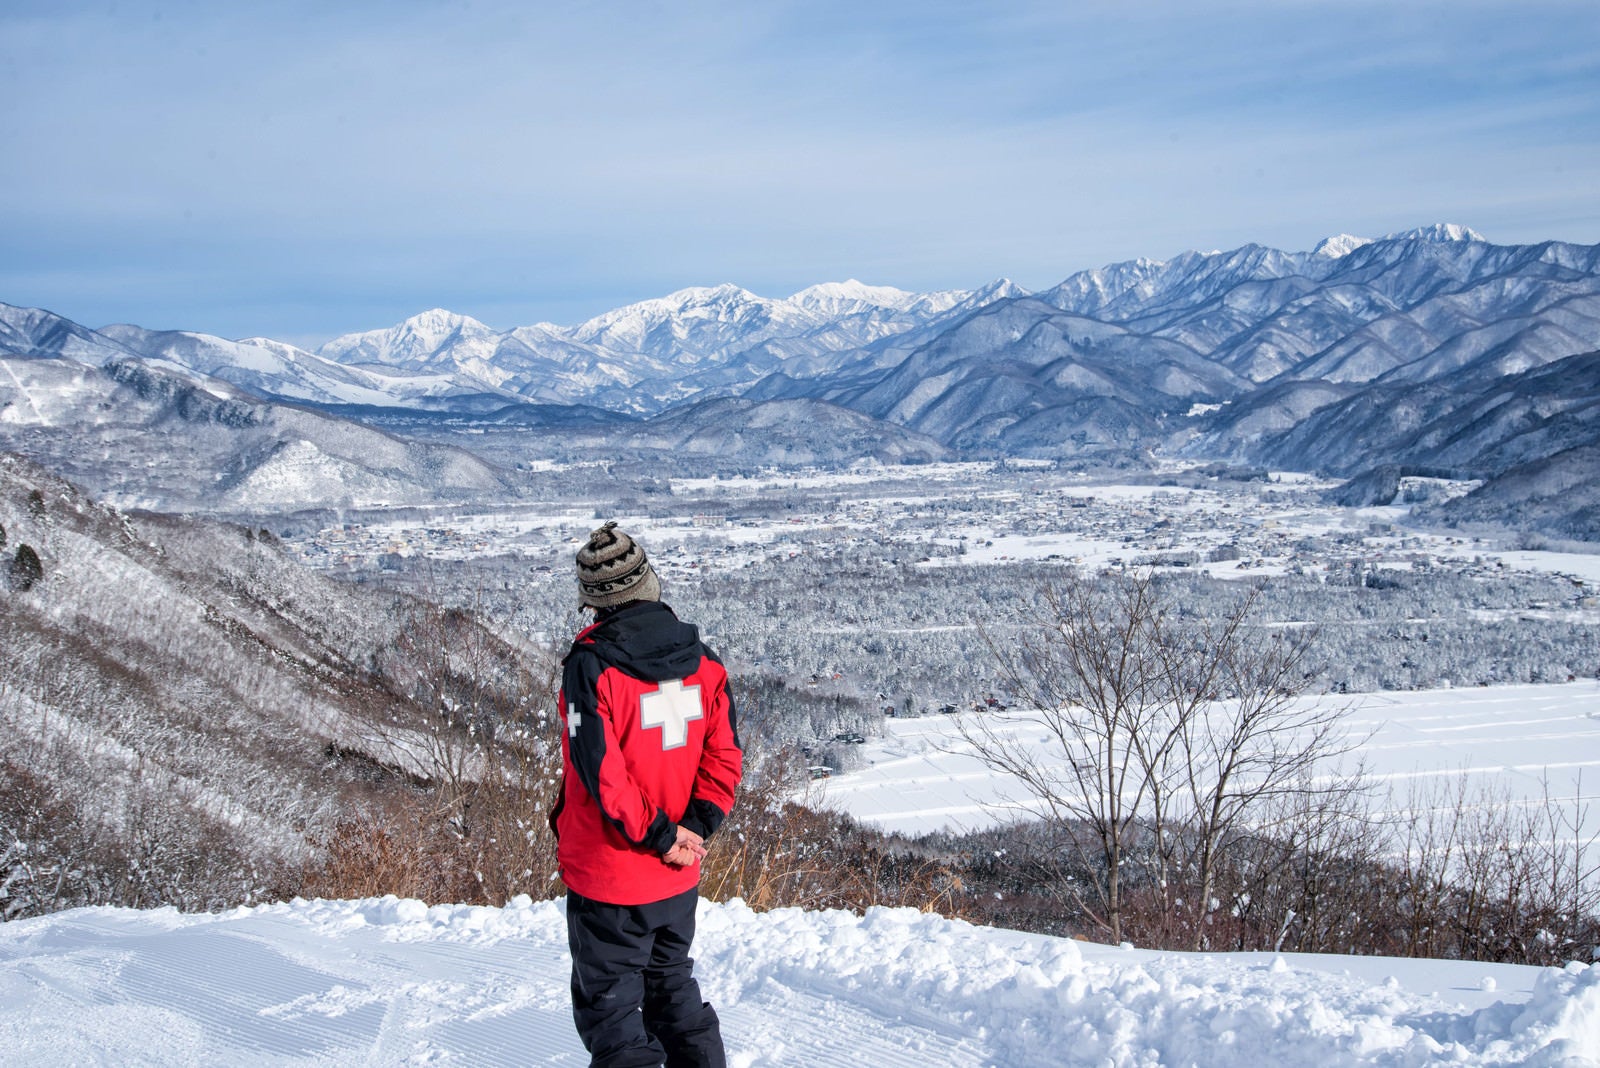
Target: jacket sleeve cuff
{"points": [[703, 818], [662, 835]]}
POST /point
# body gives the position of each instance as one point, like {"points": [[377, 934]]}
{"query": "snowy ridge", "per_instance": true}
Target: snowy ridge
{"points": [[36, 333], [414, 341], [1439, 232], [839, 299], [1339, 245], [238, 452], [851, 294], [264, 367], [388, 982]]}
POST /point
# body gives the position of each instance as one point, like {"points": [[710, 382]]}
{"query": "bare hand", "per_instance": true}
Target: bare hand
{"points": [[687, 850]]}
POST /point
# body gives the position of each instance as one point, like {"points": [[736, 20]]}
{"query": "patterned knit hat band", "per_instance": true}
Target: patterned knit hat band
{"points": [[613, 570]]}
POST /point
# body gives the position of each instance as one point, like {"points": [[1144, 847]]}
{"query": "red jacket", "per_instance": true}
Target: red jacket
{"points": [[650, 742]]}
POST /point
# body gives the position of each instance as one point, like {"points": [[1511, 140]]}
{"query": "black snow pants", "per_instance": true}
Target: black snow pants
{"points": [[634, 997]]}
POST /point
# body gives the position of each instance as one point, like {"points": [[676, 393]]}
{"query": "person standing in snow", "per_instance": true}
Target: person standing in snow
{"points": [[651, 761]]}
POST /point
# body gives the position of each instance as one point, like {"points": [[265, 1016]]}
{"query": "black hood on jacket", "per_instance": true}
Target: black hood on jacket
{"points": [[646, 640]]}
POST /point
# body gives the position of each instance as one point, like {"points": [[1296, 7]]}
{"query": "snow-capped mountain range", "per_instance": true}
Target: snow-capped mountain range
{"points": [[639, 358], [645, 356], [1254, 312], [1357, 352]]}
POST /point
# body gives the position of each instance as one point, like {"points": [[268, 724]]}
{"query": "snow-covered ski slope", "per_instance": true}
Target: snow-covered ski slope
{"points": [[393, 982], [1507, 742]]}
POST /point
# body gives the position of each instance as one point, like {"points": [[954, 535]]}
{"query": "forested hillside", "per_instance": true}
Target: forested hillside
{"points": [[189, 714]]}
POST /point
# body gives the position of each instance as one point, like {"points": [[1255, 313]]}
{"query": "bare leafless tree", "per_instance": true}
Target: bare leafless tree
{"points": [[1247, 738], [1084, 664], [1169, 734]]}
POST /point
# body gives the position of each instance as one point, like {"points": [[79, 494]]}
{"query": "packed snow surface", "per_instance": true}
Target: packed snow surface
{"points": [[394, 982]]}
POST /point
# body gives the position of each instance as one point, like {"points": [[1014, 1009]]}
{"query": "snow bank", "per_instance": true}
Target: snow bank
{"points": [[389, 981]]}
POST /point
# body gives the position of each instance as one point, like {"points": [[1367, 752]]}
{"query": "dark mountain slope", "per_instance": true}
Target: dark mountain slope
{"points": [[1479, 426], [1556, 496]]}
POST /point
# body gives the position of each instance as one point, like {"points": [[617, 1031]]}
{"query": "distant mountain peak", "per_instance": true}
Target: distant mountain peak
{"points": [[418, 338], [628, 325], [274, 345], [442, 319], [700, 294], [832, 294], [1339, 245], [1439, 232]]}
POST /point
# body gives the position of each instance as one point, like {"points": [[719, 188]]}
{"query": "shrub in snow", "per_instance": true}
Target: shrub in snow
{"points": [[25, 569]]}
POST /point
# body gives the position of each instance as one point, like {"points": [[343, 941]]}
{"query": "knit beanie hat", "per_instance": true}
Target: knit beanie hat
{"points": [[612, 570]]}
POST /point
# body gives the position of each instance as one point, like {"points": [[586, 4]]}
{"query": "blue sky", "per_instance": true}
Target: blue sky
{"points": [[300, 170]]}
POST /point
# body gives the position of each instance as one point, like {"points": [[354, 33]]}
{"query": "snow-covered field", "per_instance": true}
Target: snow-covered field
{"points": [[1511, 740], [392, 982]]}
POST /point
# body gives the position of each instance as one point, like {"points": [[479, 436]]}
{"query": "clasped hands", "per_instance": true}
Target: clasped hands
{"points": [[688, 849]]}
